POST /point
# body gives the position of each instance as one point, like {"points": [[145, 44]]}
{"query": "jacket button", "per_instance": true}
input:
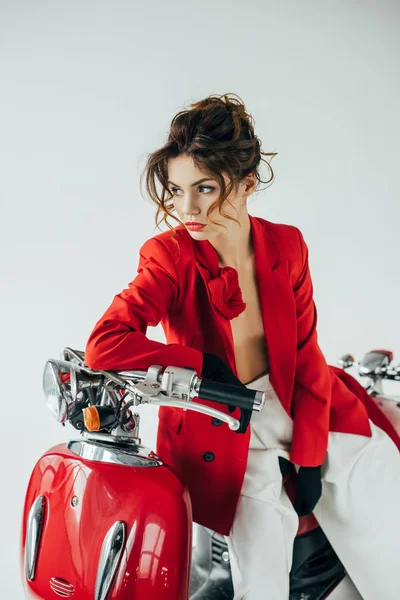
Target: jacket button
{"points": [[216, 421], [208, 456]]}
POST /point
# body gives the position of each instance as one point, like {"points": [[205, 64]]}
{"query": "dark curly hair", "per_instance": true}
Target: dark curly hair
{"points": [[218, 133]]}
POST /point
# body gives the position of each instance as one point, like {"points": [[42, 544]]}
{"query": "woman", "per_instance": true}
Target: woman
{"points": [[235, 299]]}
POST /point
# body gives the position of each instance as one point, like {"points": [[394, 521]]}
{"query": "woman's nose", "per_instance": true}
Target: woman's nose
{"points": [[189, 207]]}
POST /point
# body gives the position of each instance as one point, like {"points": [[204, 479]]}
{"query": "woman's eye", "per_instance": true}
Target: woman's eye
{"points": [[204, 187]]}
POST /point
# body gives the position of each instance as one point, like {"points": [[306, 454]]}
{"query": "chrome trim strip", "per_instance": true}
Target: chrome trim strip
{"points": [[111, 550], [133, 456], [34, 530]]}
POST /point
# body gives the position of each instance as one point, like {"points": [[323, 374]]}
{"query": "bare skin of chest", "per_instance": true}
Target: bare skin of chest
{"points": [[248, 330]]}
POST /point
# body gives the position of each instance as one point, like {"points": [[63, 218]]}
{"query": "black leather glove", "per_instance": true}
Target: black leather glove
{"points": [[308, 490], [216, 369]]}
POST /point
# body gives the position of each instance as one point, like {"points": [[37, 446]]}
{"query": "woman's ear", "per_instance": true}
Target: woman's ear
{"points": [[250, 183]]}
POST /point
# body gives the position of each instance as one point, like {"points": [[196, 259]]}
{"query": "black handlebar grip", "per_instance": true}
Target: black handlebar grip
{"points": [[226, 393]]}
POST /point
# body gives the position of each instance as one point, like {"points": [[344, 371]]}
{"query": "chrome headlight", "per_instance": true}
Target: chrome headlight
{"points": [[55, 377]]}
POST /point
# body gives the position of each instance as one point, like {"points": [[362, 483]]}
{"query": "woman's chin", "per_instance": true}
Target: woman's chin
{"points": [[201, 232]]}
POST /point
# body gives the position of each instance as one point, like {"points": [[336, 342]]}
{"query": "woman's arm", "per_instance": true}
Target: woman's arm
{"points": [[118, 341], [312, 387]]}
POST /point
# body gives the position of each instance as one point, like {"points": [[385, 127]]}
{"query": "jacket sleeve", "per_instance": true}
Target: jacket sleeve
{"points": [[118, 341], [311, 399]]}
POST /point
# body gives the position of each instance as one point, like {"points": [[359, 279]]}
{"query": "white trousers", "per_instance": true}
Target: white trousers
{"points": [[359, 509]]}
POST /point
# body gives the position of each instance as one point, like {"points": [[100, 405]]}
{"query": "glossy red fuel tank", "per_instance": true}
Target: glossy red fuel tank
{"points": [[83, 500]]}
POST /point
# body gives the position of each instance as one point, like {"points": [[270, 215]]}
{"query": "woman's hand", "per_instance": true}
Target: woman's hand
{"points": [[216, 369], [308, 490]]}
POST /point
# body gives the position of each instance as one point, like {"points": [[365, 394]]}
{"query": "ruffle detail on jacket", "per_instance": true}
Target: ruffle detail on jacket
{"points": [[225, 293], [222, 283]]}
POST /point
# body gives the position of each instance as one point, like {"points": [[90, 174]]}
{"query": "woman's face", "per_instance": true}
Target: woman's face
{"points": [[192, 198]]}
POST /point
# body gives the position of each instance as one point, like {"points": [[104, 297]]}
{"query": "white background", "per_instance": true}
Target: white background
{"points": [[87, 89]]}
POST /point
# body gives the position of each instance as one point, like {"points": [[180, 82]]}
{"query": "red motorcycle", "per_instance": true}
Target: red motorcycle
{"points": [[105, 518]]}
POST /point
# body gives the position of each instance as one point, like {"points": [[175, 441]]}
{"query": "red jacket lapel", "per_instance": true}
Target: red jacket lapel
{"points": [[278, 312]]}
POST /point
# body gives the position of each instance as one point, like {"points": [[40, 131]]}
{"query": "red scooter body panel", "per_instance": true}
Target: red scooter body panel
{"points": [[389, 411], [153, 503]]}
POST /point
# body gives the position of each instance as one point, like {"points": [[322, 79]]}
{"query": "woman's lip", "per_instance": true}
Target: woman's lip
{"points": [[196, 226], [194, 223]]}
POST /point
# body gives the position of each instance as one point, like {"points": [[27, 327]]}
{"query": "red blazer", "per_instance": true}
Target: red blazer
{"points": [[180, 283]]}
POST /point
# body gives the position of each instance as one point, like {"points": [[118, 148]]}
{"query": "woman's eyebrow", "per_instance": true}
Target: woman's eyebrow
{"points": [[195, 183]]}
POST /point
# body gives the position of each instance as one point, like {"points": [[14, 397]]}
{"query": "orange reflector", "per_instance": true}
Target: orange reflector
{"points": [[92, 418]]}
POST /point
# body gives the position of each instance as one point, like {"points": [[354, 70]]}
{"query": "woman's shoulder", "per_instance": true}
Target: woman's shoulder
{"points": [[286, 238], [283, 230], [175, 243]]}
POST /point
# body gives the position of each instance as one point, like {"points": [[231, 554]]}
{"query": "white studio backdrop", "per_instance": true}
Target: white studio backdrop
{"points": [[88, 88]]}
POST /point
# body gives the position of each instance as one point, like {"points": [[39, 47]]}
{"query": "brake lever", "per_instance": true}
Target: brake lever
{"points": [[233, 423]]}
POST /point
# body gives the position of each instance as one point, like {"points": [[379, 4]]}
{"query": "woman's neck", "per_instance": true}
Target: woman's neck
{"points": [[235, 248]]}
